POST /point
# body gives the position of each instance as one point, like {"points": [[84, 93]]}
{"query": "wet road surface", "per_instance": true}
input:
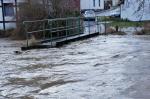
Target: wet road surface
{"points": [[104, 67]]}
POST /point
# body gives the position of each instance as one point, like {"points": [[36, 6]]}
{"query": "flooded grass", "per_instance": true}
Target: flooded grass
{"points": [[127, 24], [57, 83], [22, 81], [123, 23], [118, 33], [30, 58], [100, 64], [112, 31], [145, 30], [142, 32], [26, 97], [36, 66]]}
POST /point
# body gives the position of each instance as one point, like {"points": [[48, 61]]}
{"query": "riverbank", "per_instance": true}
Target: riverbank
{"points": [[123, 23]]}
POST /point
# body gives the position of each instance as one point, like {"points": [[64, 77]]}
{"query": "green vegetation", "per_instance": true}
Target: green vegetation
{"points": [[114, 22], [6, 33], [1, 33], [127, 24], [112, 31], [145, 30], [121, 23], [142, 32], [117, 33]]}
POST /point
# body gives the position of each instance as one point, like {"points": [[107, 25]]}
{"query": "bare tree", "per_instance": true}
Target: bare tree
{"points": [[29, 10], [42, 9], [63, 8]]}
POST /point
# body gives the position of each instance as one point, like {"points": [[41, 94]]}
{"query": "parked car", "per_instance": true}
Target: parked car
{"points": [[115, 15], [89, 15]]}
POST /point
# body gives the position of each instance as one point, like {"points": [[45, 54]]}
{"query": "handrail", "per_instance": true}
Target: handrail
{"points": [[52, 19], [51, 29]]}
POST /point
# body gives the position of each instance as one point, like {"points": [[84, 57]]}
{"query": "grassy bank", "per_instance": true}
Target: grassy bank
{"points": [[127, 24], [6, 33], [142, 32], [121, 23], [112, 31]]}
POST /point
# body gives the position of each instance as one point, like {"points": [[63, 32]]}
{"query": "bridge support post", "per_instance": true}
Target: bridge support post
{"points": [[44, 25], [27, 36], [89, 25], [66, 29], [79, 25], [50, 31]]}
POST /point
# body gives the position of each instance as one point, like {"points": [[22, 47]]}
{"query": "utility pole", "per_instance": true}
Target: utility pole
{"points": [[120, 10], [120, 4], [3, 11], [16, 9]]}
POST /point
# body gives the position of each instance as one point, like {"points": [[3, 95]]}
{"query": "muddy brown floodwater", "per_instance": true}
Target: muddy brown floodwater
{"points": [[104, 67]]}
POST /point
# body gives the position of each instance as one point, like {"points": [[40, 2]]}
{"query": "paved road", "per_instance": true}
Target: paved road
{"points": [[104, 67], [110, 12]]}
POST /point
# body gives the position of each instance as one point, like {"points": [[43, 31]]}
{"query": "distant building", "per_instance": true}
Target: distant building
{"points": [[73, 5], [9, 10], [134, 11], [97, 4], [8, 13], [91, 5]]}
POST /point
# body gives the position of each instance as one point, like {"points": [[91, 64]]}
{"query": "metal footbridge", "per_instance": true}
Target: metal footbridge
{"points": [[57, 32]]}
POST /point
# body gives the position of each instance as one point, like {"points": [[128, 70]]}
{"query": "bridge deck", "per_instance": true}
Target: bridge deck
{"points": [[60, 42]]}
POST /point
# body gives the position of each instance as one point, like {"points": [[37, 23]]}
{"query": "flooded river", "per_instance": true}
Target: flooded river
{"points": [[104, 67]]}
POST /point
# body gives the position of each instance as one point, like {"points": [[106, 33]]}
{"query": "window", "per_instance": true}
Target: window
{"points": [[99, 3], [94, 3], [8, 9]]}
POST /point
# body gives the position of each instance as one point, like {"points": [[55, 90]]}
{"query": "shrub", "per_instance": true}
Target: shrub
{"points": [[142, 32], [112, 31], [35, 10], [145, 30]]}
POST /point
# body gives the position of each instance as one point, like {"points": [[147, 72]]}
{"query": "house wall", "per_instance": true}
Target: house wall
{"points": [[73, 5], [88, 4], [115, 2], [130, 10], [1, 18], [10, 21]]}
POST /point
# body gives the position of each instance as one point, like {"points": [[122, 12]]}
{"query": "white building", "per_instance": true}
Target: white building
{"points": [[8, 13], [91, 4], [97, 4], [130, 10]]}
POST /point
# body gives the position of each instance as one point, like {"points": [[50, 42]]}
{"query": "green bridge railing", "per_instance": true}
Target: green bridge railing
{"points": [[50, 30]]}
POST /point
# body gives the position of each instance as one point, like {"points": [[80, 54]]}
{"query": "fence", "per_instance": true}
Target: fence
{"points": [[51, 30]]}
